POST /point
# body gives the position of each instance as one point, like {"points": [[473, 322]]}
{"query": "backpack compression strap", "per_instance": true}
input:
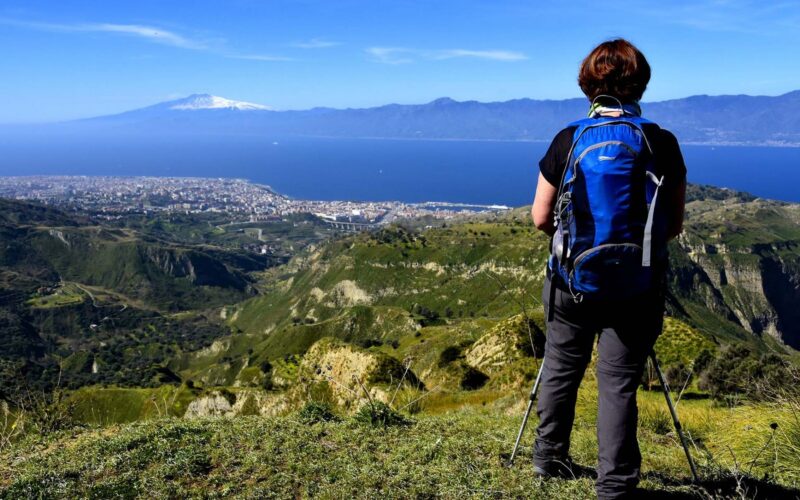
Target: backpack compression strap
{"points": [[647, 243]]}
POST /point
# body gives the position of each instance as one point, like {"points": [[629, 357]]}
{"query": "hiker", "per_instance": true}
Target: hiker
{"points": [[611, 192]]}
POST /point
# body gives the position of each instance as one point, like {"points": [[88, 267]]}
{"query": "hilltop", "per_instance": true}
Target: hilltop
{"points": [[459, 455]]}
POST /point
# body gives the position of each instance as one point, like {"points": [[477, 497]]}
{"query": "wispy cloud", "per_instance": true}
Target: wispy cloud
{"points": [[494, 55], [315, 43], [390, 55], [256, 57], [403, 55], [149, 33], [734, 16]]}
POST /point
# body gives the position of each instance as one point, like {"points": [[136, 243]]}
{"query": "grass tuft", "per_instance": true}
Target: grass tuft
{"points": [[378, 414]]}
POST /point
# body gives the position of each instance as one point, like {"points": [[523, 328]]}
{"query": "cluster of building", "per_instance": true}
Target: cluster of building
{"points": [[115, 195], [136, 194]]}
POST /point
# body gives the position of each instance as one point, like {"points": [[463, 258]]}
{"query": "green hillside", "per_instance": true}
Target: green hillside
{"points": [[144, 301], [87, 300], [400, 285], [145, 321]]}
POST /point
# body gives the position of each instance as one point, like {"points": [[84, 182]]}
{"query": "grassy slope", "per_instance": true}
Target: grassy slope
{"points": [[451, 455], [472, 269], [440, 268]]}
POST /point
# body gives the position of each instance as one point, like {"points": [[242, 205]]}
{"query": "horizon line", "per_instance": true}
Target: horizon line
{"points": [[442, 98]]}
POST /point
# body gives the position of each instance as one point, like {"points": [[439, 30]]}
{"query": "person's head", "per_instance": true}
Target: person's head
{"points": [[615, 68]]}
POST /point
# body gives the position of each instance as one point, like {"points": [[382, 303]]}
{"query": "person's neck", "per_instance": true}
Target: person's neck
{"points": [[614, 109]]}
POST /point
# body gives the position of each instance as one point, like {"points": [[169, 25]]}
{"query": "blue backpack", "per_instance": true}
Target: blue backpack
{"points": [[609, 234]]}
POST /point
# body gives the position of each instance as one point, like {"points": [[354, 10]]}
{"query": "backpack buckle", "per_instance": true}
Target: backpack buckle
{"points": [[577, 297]]}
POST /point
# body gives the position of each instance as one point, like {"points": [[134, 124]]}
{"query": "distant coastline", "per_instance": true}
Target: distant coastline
{"points": [[542, 141]]}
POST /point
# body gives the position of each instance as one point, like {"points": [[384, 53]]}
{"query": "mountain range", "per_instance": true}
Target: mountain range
{"points": [[701, 119]]}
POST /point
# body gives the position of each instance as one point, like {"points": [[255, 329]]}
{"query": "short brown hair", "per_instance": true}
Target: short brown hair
{"points": [[616, 68]]}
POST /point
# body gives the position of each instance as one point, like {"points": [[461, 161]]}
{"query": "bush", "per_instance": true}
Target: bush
{"points": [[46, 413], [736, 371], [378, 414], [314, 412], [679, 375], [367, 343], [473, 379], [448, 355]]}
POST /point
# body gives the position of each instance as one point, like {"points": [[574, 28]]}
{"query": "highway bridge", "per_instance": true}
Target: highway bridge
{"points": [[351, 226]]}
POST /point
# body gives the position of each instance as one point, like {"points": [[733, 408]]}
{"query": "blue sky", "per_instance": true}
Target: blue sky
{"points": [[69, 59]]}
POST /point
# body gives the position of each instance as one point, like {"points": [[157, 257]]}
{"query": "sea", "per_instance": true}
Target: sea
{"points": [[477, 172]]}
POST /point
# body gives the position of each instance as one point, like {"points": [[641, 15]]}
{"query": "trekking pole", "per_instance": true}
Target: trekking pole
{"points": [[675, 420], [527, 413]]}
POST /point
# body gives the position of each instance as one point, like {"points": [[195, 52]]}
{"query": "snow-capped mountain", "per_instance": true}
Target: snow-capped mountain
{"points": [[206, 101]]}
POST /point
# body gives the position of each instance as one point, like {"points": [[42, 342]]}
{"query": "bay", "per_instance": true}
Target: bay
{"points": [[482, 172]]}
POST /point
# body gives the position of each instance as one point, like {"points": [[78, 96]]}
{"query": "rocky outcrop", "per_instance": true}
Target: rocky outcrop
{"points": [[508, 341], [347, 293], [749, 278], [197, 267], [213, 405], [246, 402], [347, 371]]}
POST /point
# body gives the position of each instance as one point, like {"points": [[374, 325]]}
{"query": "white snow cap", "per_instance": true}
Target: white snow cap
{"points": [[206, 101]]}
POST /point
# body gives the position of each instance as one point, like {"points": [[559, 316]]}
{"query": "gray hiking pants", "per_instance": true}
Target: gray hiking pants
{"points": [[627, 332]]}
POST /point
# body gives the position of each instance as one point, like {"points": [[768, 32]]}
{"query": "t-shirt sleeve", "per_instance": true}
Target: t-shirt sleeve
{"points": [[670, 158], [552, 164]]}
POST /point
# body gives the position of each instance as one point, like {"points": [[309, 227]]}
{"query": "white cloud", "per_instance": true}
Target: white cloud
{"points": [[390, 55], [401, 55], [316, 43], [149, 33], [256, 57], [494, 55]]}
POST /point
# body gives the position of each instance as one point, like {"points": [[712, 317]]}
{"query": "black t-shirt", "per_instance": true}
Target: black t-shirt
{"points": [[667, 153]]}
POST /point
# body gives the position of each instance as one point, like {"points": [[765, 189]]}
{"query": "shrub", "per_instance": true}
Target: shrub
{"points": [[367, 343], [314, 412], [736, 371], [473, 379], [448, 355], [46, 413], [228, 395], [679, 375], [378, 414]]}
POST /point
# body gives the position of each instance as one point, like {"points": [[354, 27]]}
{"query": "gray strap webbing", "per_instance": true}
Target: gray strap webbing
{"points": [[647, 244]]}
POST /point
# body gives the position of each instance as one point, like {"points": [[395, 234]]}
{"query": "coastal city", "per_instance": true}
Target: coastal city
{"points": [[113, 196]]}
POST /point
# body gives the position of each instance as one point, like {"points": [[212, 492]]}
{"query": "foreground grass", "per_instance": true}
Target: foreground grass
{"points": [[454, 455]]}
